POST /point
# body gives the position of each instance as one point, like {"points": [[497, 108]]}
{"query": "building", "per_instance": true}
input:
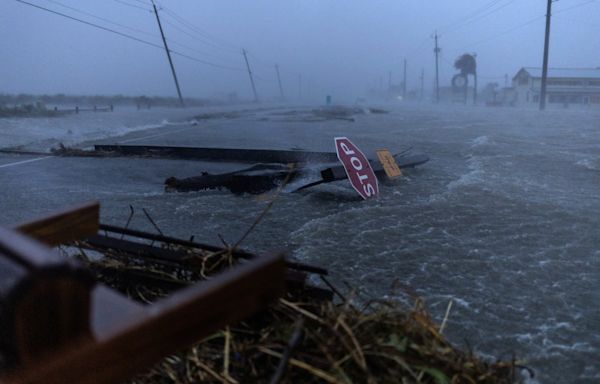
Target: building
{"points": [[564, 87]]}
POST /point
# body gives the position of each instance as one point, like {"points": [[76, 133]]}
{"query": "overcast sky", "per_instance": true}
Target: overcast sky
{"points": [[340, 47]]}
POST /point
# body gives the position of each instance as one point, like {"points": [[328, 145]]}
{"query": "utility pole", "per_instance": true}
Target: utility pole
{"points": [[279, 81], [545, 65], [422, 78], [390, 80], [475, 85], [404, 82], [251, 78], [437, 73], [300, 87], [168, 55]]}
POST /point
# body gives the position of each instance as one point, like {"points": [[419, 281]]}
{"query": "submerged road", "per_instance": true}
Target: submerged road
{"points": [[502, 220]]}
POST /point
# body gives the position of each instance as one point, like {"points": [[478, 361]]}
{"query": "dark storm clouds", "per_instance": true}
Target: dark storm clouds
{"points": [[339, 47]]}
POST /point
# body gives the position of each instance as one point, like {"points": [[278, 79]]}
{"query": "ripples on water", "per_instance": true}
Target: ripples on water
{"points": [[503, 220]]}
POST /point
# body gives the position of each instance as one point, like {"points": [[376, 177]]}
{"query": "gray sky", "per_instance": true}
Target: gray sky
{"points": [[340, 47]]}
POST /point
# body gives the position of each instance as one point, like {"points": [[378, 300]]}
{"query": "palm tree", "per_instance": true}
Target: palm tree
{"points": [[467, 65]]}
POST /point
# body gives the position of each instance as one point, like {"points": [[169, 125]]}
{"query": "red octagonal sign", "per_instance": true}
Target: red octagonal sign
{"points": [[357, 168]]}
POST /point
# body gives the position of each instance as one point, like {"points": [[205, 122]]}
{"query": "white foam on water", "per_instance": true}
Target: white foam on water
{"points": [[479, 141], [474, 176], [592, 164]]}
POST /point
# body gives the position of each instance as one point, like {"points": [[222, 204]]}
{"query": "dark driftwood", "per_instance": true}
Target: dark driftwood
{"points": [[257, 179], [108, 233], [65, 226], [134, 339], [220, 154]]}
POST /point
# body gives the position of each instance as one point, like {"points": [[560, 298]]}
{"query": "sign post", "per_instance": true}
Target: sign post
{"points": [[389, 163], [357, 168]]}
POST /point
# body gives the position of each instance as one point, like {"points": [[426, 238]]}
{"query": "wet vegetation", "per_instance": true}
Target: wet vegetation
{"points": [[142, 101], [302, 338], [28, 110]]}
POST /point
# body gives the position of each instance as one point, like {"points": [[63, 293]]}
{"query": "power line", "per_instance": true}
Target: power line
{"points": [[170, 41], [127, 36], [201, 33], [133, 6], [102, 18], [187, 46], [481, 17], [143, 2], [207, 62], [574, 6], [531, 21], [470, 15], [197, 36], [90, 24]]}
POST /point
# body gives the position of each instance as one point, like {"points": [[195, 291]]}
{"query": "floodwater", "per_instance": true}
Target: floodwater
{"points": [[502, 220]]}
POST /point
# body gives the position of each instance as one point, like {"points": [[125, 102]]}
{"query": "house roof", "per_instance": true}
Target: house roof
{"points": [[573, 73]]}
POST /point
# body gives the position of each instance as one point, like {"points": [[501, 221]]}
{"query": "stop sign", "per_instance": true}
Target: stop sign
{"points": [[357, 168]]}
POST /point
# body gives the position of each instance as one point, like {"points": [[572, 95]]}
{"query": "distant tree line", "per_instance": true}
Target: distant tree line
{"points": [[37, 109], [73, 100]]}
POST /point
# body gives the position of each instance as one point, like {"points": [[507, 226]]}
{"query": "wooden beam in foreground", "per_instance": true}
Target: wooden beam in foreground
{"points": [[65, 226], [131, 345]]}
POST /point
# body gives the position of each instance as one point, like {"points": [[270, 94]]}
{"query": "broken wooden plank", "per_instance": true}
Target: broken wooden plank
{"points": [[220, 154], [64, 226], [133, 345], [135, 249], [258, 179], [109, 242]]}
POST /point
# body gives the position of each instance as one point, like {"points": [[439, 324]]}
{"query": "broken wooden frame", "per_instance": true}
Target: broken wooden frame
{"points": [[218, 154], [76, 331], [128, 244]]}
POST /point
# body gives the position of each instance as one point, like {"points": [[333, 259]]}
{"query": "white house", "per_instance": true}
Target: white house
{"points": [[565, 86]]}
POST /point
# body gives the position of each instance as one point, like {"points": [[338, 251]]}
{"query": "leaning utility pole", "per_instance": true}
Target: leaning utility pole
{"points": [[251, 78], [168, 55], [279, 81], [437, 78], [404, 82], [545, 65]]}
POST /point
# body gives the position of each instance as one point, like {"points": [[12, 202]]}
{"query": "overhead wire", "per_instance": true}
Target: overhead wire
{"points": [[205, 37], [128, 36], [90, 24], [574, 6], [470, 15], [480, 17], [103, 19], [187, 46], [133, 6], [193, 35], [531, 21], [170, 41], [143, 2], [469, 18], [497, 35]]}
